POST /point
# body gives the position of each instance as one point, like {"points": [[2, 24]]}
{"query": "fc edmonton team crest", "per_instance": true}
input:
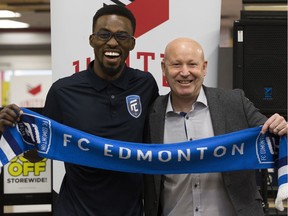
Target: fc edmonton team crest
{"points": [[265, 148], [35, 131], [134, 106]]}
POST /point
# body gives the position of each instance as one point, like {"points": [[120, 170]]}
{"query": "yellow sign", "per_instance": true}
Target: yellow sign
{"points": [[23, 176]]}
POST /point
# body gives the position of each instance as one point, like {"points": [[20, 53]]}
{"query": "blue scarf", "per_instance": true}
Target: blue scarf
{"points": [[243, 150]]}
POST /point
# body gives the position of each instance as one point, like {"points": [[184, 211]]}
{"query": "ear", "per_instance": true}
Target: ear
{"points": [[133, 43], [91, 41], [163, 67], [205, 68]]}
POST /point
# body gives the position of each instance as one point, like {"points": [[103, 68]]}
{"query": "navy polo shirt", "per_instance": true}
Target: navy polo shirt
{"points": [[115, 110]]}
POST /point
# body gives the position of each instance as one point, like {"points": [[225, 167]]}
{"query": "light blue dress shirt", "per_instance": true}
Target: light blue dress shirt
{"points": [[192, 194]]}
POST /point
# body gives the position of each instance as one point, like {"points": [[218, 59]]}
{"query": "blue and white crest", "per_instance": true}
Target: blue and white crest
{"points": [[134, 106], [265, 148], [35, 131]]}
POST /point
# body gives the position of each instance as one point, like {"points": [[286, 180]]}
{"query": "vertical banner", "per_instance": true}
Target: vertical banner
{"points": [[158, 22]]}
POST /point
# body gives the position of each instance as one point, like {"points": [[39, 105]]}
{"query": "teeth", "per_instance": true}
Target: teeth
{"points": [[184, 81], [113, 54]]}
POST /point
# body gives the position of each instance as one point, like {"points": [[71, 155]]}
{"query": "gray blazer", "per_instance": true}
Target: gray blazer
{"points": [[230, 111]]}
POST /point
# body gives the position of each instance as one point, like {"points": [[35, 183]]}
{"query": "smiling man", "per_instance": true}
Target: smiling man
{"points": [[193, 111], [110, 100]]}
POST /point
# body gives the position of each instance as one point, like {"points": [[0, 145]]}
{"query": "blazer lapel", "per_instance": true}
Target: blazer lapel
{"points": [[216, 110], [157, 119]]}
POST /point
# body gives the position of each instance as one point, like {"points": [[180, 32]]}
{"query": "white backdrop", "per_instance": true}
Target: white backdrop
{"points": [[158, 22], [29, 90]]}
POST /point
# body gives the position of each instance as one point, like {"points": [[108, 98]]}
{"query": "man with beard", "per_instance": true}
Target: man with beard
{"points": [[100, 101]]}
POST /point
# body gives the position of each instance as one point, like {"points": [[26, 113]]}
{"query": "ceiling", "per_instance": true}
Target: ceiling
{"points": [[34, 12], [37, 12]]}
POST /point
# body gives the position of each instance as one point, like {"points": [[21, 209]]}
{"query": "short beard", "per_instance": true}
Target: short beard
{"points": [[111, 71]]}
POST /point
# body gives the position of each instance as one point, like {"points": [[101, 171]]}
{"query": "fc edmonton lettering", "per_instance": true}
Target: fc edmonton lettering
{"points": [[199, 153], [166, 155], [81, 142]]}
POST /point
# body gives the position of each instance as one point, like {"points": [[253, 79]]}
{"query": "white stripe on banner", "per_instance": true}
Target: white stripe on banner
{"points": [[282, 171], [6, 149], [281, 196]]}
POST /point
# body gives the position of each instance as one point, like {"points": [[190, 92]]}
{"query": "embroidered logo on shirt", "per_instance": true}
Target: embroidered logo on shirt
{"points": [[134, 106]]}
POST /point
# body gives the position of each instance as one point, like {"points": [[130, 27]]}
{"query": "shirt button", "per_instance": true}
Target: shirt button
{"points": [[196, 209], [187, 117], [195, 185], [112, 96]]}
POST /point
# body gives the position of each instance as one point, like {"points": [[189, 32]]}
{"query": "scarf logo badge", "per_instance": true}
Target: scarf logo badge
{"points": [[265, 148], [34, 129], [134, 106]]}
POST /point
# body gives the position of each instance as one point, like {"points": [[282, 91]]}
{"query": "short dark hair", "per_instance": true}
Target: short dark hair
{"points": [[117, 10]]}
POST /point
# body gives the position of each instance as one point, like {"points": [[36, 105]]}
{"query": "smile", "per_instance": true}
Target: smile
{"points": [[111, 54], [185, 81]]}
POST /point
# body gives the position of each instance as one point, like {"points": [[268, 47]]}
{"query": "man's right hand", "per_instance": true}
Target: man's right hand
{"points": [[9, 115]]}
